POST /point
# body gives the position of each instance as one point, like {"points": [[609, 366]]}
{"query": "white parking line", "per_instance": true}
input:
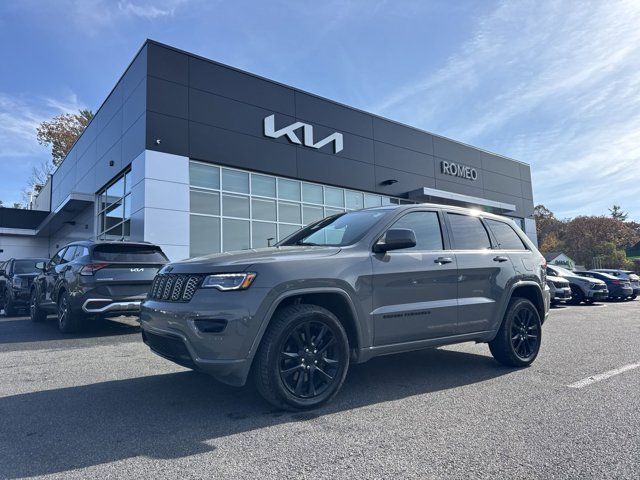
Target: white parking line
{"points": [[603, 376]]}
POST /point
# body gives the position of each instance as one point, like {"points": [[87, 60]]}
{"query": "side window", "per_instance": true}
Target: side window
{"points": [[506, 236], [81, 252], [468, 232], [57, 258], [426, 227], [68, 255]]}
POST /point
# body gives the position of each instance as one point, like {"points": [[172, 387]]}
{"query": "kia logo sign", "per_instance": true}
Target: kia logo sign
{"points": [[457, 170], [307, 134]]}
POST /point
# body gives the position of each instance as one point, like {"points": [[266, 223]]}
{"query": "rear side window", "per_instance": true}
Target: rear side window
{"points": [[506, 236], [25, 266], [69, 254], [129, 253], [426, 227], [468, 232]]}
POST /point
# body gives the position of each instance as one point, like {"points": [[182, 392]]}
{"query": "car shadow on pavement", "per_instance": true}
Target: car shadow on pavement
{"points": [[186, 413], [23, 330]]}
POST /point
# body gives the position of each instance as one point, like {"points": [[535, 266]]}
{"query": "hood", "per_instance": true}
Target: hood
{"points": [[596, 281], [243, 259], [552, 278]]}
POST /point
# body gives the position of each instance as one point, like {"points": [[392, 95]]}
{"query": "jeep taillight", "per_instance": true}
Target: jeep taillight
{"points": [[92, 268]]}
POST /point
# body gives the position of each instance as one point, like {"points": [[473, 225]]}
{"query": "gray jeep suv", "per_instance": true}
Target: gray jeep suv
{"points": [[348, 288]]}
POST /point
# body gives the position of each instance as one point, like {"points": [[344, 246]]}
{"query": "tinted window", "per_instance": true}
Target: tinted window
{"points": [[506, 236], [81, 252], [128, 253], [426, 227], [57, 257], [69, 254], [468, 232], [25, 266]]}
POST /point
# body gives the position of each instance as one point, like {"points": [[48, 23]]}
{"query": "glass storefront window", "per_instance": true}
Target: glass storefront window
{"points": [[233, 209], [114, 209]]}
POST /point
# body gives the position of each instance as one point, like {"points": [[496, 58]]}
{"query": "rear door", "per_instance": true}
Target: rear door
{"points": [[414, 289], [52, 275], [126, 270], [483, 273]]}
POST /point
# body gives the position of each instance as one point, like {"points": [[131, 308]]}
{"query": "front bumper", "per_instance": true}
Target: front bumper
{"points": [[597, 294], [562, 294], [21, 297]]}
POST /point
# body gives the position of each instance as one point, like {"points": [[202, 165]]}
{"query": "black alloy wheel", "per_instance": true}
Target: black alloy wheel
{"points": [[525, 334], [309, 359]]}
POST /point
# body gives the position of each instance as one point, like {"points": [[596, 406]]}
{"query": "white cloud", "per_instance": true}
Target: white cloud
{"points": [[555, 84]]}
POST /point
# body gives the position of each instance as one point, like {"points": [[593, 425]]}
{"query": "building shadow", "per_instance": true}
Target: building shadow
{"points": [[186, 413], [15, 330]]}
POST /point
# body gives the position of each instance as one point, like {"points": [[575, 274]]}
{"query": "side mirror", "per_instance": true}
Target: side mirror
{"points": [[395, 239], [40, 265]]}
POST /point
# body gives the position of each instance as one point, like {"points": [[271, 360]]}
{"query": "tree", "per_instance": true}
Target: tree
{"points": [[547, 223], [618, 214], [61, 132], [552, 243]]}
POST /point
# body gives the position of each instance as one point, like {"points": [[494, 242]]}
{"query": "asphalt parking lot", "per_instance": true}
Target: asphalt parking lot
{"points": [[100, 405]]}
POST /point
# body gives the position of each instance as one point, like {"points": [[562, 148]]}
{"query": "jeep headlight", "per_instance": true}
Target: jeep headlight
{"points": [[17, 282], [229, 281]]}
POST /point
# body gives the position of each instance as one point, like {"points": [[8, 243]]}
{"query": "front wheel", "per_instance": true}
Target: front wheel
{"points": [[303, 358], [68, 321], [518, 341], [35, 312]]}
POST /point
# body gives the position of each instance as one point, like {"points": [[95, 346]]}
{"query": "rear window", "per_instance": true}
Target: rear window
{"points": [[128, 253], [468, 232], [506, 236]]}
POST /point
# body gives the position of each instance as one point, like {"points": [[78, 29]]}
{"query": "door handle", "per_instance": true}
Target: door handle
{"points": [[500, 258], [443, 260]]}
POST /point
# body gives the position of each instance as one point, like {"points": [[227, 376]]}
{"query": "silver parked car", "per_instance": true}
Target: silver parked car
{"points": [[583, 289], [560, 289]]}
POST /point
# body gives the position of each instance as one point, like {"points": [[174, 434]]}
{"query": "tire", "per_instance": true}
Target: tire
{"points": [[291, 370], [518, 341], [633, 297], [35, 312], [577, 296], [68, 320], [8, 307], [589, 301]]}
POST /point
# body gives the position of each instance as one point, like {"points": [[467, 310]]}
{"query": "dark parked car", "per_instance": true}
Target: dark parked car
{"points": [[16, 277], [348, 288], [88, 279], [583, 289], [618, 289], [633, 279]]}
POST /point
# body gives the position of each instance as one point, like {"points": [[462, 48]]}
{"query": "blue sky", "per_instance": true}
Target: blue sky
{"points": [[554, 84]]}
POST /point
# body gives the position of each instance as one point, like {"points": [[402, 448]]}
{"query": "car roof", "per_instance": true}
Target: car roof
{"points": [[439, 206], [89, 243]]}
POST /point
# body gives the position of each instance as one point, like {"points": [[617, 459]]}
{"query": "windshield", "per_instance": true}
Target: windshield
{"points": [[563, 272], [21, 267], [336, 231]]}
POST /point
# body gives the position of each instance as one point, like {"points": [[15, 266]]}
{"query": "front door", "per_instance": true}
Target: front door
{"points": [[414, 289]]}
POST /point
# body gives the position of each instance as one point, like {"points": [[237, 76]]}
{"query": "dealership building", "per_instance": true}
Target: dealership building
{"points": [[200, 157]]}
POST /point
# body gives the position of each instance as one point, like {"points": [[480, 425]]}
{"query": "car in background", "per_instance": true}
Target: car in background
{"points": [[633, 278], [618, 289], [17, 275], [583, 289], [560, 289], [89, 279]]}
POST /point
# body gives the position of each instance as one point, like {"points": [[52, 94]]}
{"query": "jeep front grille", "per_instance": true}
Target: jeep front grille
{"points": [[175, 287]]}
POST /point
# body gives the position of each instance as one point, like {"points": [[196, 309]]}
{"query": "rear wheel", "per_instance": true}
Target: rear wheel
{"points": [[303, 359], [518, 341], [68, 321], [35, 312]]}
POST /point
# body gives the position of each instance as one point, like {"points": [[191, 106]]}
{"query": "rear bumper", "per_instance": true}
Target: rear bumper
{"points": [[620, 292], [108, 305]]}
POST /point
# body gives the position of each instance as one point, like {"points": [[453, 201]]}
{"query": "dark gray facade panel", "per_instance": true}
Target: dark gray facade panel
{"points": [[241, 117], [231, 83], [224, 147], [87, 161], [402, 136], [87, 138], [406, 181], [456, 152], [20, 218], [109, 134], [168, 98], [332, 115], [105, 171], [135, 105], [455, 187], [516, 200], [399, 158], [355, 147], [172, 132], [87, 184], [493, 163], [167, 64], [477, 184], [527, 190], [525, 172], [136, 72], [329, 169], [109, 108], [133, 141], [497, 182]]}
